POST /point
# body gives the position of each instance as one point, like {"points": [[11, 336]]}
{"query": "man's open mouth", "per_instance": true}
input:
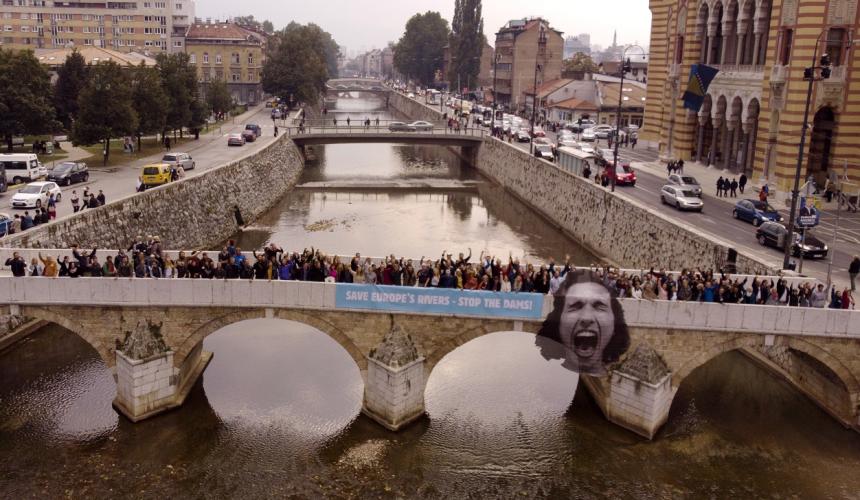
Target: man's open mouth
{"points": [[585, 343]]}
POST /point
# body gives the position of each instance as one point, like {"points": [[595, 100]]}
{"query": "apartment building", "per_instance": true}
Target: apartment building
{"points": [[125, 26], [525, 48], [228, 52], [752, 114]]}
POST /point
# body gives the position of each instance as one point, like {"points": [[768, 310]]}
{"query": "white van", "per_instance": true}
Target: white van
{"points": [[22, 167]]}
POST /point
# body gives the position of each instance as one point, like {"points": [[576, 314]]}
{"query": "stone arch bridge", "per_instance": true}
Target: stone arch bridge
{"points": [[818, 351]]}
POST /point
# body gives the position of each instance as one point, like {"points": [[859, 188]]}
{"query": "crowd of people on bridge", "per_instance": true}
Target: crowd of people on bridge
{"points": [[146, 259]]}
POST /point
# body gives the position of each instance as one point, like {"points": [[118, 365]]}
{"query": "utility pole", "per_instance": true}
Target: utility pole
{"points": [[534, 110]]}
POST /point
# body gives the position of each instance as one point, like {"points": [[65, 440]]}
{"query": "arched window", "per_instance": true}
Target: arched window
{"points": [[206, 58]]}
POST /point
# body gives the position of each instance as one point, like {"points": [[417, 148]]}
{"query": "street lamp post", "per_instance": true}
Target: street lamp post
{"points": [[534, 110], [625, 67], [495, 95], [809, 76]]}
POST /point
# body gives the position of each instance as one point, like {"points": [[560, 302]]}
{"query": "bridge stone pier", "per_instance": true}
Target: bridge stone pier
{"points": [[151, 333]]}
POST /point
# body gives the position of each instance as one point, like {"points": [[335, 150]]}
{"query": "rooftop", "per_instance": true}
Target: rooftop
{"points": [[219, 31], [92, 55]]}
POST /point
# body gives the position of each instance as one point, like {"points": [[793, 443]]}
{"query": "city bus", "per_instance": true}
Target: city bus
{"points": [[433, 96], [575, 160]]}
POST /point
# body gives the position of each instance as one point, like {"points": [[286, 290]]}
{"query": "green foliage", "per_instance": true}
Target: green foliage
{"points": [[179, 82], [149, 100], [419, 53], [26, 105], [199, 113], [71, 79], [580, 62], [301, 59], [466, 43], [105, 108], [218, 97], [268, 27]]}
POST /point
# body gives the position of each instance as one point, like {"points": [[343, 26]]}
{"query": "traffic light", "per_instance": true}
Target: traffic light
{"points": [[825, 72], [807, 73]]}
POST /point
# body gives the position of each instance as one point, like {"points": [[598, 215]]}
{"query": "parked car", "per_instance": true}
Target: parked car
{"points": [[680, 198], [177, 159], [522, 135], [577, 127], [539, 132], [155, 174], [400, 127], [258, 131], [686, 182], [755, 211], [544, 151], [603, 131], [421, 126], [773, 234], [605, 154], [585, 148], [7, 223], [235, 140], [588, 135], [35, 195], [69, 172], [249, 135]]}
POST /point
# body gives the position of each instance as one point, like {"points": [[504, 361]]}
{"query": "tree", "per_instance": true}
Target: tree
{"points": [[466, 43], [218, 97], [105, 108], [71, 78], [26, 105], [179, 81], [580, 63], [199, 112], [149, 101], [268, 27], [300, 60], [419, 53]]}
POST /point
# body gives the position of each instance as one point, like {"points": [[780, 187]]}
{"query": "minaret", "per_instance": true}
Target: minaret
{"points": [[615, 38]]}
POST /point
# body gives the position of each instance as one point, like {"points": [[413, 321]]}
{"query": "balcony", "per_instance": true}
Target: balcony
{"points": [[674, 70]]}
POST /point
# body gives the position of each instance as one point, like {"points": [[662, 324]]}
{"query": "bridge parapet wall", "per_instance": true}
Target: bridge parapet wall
{"points": [[191, 213]]}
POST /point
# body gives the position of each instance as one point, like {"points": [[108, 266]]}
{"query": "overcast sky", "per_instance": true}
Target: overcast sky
{"points": [[365, 24]]}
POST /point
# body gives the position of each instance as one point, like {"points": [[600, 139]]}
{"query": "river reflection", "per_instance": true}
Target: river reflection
{"points": [[277, 414]]}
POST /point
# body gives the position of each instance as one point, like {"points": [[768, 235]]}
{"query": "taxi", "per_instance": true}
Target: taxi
{"points": [[155, 174]]}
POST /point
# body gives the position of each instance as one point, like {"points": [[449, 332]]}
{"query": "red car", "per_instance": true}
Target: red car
{"points": [[624, 177]]}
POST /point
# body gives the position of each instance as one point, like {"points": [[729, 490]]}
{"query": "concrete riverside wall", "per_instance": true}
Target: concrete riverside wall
{"points": [[619, 229], [194, 212], [660, 315], [413, 109]]}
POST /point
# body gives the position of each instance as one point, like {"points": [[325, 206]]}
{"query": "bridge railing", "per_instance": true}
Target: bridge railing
{"points": [[148, 292], [373, 129]]}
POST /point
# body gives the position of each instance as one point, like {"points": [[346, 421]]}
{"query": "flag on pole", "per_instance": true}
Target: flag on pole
{"points": [[701, 77]]}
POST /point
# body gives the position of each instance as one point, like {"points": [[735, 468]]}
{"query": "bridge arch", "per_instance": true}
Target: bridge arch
{"points": [[801, 344], [450, 344], [106, 352], [239, 315]]}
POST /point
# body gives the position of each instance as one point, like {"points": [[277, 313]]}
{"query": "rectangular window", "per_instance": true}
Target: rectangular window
{"points": [[835, 45], [785, 49], [192, 58], [205, 58], [217, 58], [250, 59]]}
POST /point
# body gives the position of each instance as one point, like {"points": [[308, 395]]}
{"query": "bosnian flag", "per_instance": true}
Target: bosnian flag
{"points": [[701, 77]]}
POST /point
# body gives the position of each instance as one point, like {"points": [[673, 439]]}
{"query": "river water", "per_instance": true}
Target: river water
{"points": [[276, 414]]}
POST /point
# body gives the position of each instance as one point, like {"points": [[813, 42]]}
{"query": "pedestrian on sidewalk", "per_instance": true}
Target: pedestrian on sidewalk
{"points": [[633, 141], [763, 193], [347, 121], [76, 202], [853, 271], [680, 166], [669, 167], [734, 188], [720, 187], [101, 198], [742, 182], [167, 142]]}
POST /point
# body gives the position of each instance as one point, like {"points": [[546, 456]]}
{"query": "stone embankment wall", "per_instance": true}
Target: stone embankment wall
{"points": [[196, 212], [621, 230], [413, 109]]}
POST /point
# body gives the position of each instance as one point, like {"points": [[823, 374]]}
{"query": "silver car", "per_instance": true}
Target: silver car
{"points": [[680, 198], [176, 159], [422, 126], [400, 127], [686, 182]]}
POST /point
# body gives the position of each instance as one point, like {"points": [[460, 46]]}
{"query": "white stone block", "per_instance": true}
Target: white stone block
{"points": [[241, 292], [837, 322], [262, 292], [18, 287], [795, 323], [6, 289], [222, 293], [304, 293], [734, 316], [141, 290], [201, 291], [647, 313], [37, 291], [772, 319], [181, 291], [630, 307], [160, 291], [699, 314], [317, 295], [661, 312], [753, 318], [716, 315], [329, 295], [853, 322], [814, 320]]}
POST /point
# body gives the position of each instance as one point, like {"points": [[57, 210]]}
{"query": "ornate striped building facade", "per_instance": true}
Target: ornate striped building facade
{"points": [[752, 116]]}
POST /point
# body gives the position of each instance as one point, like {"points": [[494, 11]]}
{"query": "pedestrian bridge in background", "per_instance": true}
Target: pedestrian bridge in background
{"points": [[357, 133], [816, 350]]}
